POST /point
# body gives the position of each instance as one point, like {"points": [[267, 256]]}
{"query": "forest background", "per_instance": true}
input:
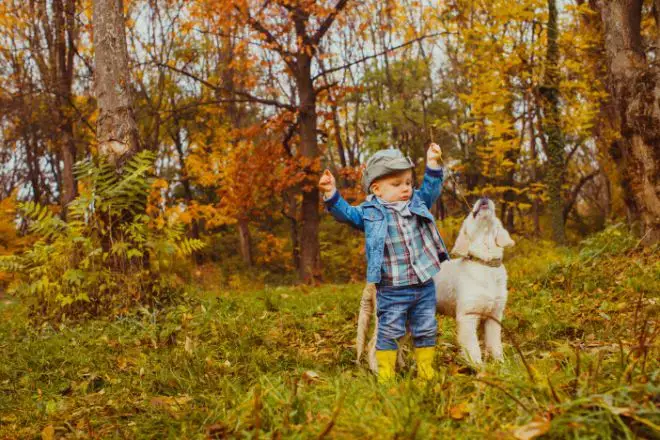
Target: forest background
{"points": [[147, 146]]}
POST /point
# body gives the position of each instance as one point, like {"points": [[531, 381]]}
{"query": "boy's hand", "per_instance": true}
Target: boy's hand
{"points": [[433, 156], [327, 184]]}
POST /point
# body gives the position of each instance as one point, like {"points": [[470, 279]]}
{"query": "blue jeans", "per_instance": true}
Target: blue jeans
{"points": [[412, 305]]}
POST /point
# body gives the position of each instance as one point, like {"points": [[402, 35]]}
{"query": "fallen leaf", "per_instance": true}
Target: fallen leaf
{"points": [[459, 411], [170, 403], [218, 431], [48, 433], [532, 430], [310, 376]]}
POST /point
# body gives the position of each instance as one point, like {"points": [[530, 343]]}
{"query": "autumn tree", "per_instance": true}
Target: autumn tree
{"points": [[635, 88], [293, 32], [555, 149], [496, 80]]}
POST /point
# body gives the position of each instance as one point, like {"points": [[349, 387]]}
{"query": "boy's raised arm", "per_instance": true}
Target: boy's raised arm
{"points": [[336, 205], [433, 176]]}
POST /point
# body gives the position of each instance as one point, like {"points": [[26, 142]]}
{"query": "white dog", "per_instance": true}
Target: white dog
{"points": [[471, 287]]}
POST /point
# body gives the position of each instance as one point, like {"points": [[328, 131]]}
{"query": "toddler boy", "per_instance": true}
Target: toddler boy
{"points": [[403, 250]]}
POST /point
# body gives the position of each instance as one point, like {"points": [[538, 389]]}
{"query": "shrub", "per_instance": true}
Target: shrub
{"points": [[106, 257]]}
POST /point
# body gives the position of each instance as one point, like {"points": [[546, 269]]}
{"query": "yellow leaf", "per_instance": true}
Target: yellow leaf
{"points": [[188, 346], [459, 411], [48, 433]]}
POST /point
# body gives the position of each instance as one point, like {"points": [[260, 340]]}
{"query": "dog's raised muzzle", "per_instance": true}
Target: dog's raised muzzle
{"points": [[482, 204]]}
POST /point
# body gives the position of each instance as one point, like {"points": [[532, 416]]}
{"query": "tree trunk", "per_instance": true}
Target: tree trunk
{"points": [[555, 150], [116, 127], [245, 241], [289, 210], [32, 156], [510, 219], [635, 88], [64, 17], [534, 176], [310, 255]]}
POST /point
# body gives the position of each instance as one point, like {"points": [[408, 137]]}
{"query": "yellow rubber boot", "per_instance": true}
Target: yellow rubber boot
{"points": [[424, 358], [386, 362]]}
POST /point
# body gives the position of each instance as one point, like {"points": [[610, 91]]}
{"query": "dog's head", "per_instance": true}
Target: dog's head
{"points": [[482, 233]]}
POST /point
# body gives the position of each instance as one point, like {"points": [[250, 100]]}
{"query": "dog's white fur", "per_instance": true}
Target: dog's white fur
{"points": [[467, 289], [471, 290]]}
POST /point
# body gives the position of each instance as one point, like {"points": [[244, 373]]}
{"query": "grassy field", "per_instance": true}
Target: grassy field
{"points": [[580, 342]]}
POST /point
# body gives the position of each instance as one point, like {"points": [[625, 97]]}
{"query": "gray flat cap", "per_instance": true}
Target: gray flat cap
{"points": [[382, 163]]}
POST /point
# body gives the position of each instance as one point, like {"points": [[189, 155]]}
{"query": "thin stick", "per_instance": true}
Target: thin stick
{"points": [[335, 413], [553, 391], [257, 411], [469, 208], [413, 433]]}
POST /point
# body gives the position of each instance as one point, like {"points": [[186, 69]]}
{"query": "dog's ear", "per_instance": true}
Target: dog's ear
{"points": [[462, 244], [503, 239]]}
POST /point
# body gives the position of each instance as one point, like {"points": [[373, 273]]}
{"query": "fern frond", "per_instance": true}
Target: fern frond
{"points": [[43, 221], [189, 245], [12, 264]]}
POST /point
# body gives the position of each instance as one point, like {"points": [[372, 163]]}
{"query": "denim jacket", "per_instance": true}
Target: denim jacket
{"points": [[370, 218]]}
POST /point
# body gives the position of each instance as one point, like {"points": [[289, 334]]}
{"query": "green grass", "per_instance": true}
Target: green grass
{"points": [[279, 362]]}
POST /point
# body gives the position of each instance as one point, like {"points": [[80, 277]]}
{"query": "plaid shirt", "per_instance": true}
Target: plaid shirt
{"points": [[411, 253]]}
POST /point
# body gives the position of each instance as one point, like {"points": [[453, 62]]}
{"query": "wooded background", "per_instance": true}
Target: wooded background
{"points": [[550, 108]]}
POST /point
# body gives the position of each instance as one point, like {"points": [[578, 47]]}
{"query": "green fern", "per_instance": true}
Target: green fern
{"points": [[95, 261], [42, 220], [12, 263], [188, 246]]}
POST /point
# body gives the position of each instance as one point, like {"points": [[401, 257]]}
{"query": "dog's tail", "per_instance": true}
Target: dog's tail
{"points": [[364, 318]]}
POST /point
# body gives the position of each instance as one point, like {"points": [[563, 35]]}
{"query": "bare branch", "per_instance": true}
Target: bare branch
{"points": [[569, 156], [270, 38], [376, 55], [576, 192], [248, 97]]}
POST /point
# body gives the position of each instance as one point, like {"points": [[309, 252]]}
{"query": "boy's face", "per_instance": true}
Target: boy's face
{"points": [[394, 187]]}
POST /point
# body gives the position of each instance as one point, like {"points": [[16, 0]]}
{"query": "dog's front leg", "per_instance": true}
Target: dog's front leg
{"points": [[467, 337], [493, 339], [493, 334]]}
